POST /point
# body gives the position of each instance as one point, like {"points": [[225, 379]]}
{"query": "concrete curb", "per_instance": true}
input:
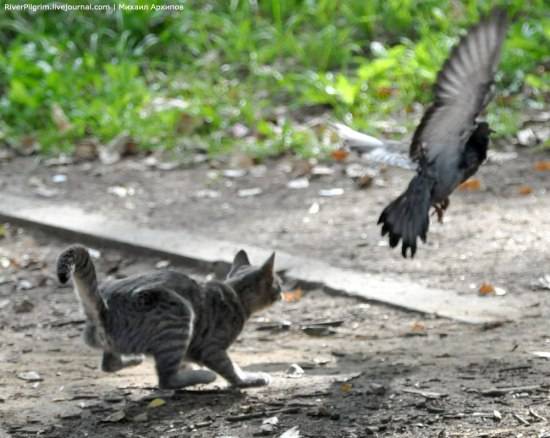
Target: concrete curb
{"points": [[190, 248]]}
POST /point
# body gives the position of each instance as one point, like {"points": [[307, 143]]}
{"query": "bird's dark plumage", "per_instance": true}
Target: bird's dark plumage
{"points": [[449, 144]]}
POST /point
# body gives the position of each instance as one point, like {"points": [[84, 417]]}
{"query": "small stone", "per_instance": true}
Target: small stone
{"points": [[23, 306], [24, 285], [162, 264], [527, 137], [294, 371], [206, 193], [30, 376], [245, 193], [314, 208], [140, 418], [298, 183], [59, 178], [234, 173], [330, 193], [115, 417]]}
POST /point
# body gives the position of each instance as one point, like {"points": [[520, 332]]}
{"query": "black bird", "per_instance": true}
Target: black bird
{"points": [[449, 144]]}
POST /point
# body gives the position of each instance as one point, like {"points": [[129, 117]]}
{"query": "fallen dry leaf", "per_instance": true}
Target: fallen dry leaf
{"points": [[525, 190], [364, 182], [471, 185], [60, 119], [339, 154], [542, 166], [486, 289], [156, 403], [345, 387], [291, 296], [86, 149], [384, 92], [418, 327]]}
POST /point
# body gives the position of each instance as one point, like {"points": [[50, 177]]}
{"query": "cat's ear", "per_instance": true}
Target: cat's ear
{"points": [[267, 268], [241, 259]]}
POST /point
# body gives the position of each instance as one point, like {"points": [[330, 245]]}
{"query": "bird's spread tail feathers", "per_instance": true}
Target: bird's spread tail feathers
{"points": [[76, 260], [407, 217]]}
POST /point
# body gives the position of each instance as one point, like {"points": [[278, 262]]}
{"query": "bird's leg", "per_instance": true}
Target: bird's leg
{"points": [[440, 209]]}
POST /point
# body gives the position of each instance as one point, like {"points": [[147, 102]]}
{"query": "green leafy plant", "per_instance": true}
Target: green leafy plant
{"points": [[182, 80]]}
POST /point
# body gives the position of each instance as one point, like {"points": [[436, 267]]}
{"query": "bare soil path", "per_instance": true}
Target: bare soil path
{"points": [[376, 372]]}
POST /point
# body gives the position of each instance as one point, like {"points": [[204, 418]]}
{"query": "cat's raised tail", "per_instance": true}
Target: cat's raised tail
{"points": [[76, 260]]}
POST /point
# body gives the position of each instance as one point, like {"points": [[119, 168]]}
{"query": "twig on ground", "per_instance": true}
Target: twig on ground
{"points": [[537, 416], [495, 392], [266, 413], [521, 419], [426, 394]]}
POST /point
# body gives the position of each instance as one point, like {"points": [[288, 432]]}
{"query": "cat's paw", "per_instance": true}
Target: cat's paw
{"points": [[250, 380], [114, 363], [186, 378]]}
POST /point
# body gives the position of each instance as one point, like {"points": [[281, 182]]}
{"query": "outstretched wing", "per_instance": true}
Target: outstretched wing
{"points": [[462, 90]]}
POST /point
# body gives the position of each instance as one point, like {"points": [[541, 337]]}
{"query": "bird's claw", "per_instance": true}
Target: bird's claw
{"points": [[440, 209]]}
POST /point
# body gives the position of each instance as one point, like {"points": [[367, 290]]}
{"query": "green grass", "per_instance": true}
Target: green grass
{"points": [[265, 67]]}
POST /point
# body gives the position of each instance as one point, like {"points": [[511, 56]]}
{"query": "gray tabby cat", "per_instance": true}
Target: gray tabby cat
{"points": [[169, 316]]}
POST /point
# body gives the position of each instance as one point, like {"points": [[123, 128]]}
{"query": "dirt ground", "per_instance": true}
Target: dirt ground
{"points": [[493, 234], [376, 371]]}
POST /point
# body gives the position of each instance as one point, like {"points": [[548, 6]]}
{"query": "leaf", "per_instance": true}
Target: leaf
{"points": [[339, 154], [384, 92], [418, 327], [486, 289], [525, 190], [345, 90], [291, 296], [542, 166], [2, 231], [60, 119], [156, 403], [471, 185], [346, 387]]}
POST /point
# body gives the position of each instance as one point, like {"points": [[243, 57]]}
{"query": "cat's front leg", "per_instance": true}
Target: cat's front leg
{"points": [[112, 362], [219, 361]]}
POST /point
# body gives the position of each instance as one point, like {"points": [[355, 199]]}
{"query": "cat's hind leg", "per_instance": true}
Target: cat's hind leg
{"points": [[112, 362], [173, 332]]}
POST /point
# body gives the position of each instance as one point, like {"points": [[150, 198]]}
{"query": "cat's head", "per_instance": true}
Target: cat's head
{"points": [[258, 287]]}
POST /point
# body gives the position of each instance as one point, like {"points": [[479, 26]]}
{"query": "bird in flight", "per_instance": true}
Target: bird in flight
{"points": [[449, 144]]}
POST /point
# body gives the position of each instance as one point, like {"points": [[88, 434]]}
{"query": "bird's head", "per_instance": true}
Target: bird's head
{"points": [[483, 129]]}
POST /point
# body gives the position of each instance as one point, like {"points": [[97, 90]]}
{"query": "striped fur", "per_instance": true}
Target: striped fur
{"points": [[170, 317]]}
